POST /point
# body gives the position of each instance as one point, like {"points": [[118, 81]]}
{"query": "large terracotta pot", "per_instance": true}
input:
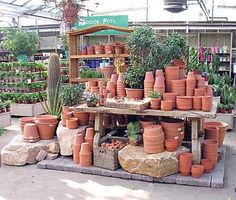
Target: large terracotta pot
{"points": [[134, 93], [147, 121], [46, 130], [30, 133], [208, 165], [82, 117], [46, 118], [197, 171], [210, 150], [197, 103], [184, 102], [72, 123], [178, 86], [185, 163]]}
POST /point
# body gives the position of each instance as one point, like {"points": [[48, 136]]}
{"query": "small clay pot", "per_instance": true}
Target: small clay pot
{"points": [[83, 118], [212, 133], [208, 165], [107, 71], [197, 103], [109, 49], [210, 150], [206, 103], [170, 97], [65, 116], [197, 171], [72, 123], [185, 163], [85, 155], [198, 92], [156, 103], [30, 133], [179, 87], [171, 144], [166, 105], [24, 121], [114, 78]]}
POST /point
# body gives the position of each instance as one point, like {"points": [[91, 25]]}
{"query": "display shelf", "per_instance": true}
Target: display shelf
{"points": [[98, 56], [83, 80]]}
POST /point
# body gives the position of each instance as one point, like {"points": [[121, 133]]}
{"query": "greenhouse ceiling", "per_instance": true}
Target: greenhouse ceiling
{"points": [[38, 12]]}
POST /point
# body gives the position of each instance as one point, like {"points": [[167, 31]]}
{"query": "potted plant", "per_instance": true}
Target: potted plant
{"points": [[64, 45], [21, 43], [91, 99], [155, 99], [133, 131], [134, 80]]}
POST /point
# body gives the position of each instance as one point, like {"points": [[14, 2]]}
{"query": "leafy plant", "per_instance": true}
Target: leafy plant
{"points": [[64, 43], [75, 4], [90, 97], [154, 94], [133, 130], [89, 73], [2, 131], [228, 95], [192, 60], [134, 77]]}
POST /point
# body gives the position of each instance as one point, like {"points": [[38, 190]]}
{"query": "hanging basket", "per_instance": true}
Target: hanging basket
{"points": [[70, 13]]}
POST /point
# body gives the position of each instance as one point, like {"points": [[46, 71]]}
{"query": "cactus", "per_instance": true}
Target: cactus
{"points": [[53, 105]]}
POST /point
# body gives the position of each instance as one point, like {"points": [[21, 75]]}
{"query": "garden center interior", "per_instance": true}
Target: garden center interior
{"points": [[105, 100]]}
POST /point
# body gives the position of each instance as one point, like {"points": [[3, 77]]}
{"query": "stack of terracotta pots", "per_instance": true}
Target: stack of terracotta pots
{"points": [[212, 133], [197, 102], [153, 139], [198, 92], [190, 84], [181, 64], [209, 90], [172, 73], [222, 126], [208, 165], [210, 150], [24, 121], [185, 163], [166, 105], [64, 116], [89, 136], [120, 86], [90, 50], [178, 86], [85, 155], [99, 49], [79, 139], [148, 83], [111, 87], [170, 97], [184, 103], [171, 144], [173, 129], [47, 125], [109, 49], [30, 133], [114, 78], [159, 84], [206, 103]]}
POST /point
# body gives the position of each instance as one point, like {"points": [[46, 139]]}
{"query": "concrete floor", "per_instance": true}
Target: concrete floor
{"points": [[31, 183]]}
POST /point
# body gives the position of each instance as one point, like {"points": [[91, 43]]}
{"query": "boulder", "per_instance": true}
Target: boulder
{"points": [[133, 159], [54, 147], [17, 152], [52, 156], [66, 138], [41, 155]]}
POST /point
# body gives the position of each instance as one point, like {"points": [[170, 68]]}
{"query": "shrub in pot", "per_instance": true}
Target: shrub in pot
{"points": [[134, 80], [133, 131], [155, 99]]}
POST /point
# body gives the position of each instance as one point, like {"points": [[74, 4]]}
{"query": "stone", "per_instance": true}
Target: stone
{"points": [[41, 155], [54, 147], [17, 152], [66, 138], [133, 159], [52, 156]]}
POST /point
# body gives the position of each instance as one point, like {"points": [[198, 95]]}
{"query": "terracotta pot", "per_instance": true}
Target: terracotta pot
{"points": [[170, 97], [178, 86], [208, 165], [107, 71], [89, 137], [99, 49], [30, 133], [72, 123], [85, 155], [79, 139], [153, 139], [212, 133], [65, 109], [197, 171], [206, 103], [111, 87], [197, 103], [147, 121], [198, 92], [95, 90], [91, 84], [201, 83], [106, 120], [76, 150], [171, 144], [114, 78], [24, 121], [83, 118], [156, 103], [210, 150], [46, 130], [166, 105], [134, 93], [65, 116], [209, 90], [181, 73], [185, 163], [222, 129], [46, 118], [184, 102], [149, 77], [190, 87], [178, 62], [90, 50], [118, 49], [109, 49], [190, 76], [172, 73], [159, 73], [120, 90]]}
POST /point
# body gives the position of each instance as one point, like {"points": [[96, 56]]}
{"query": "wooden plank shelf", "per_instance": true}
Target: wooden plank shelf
{"points": [[98, 56]]}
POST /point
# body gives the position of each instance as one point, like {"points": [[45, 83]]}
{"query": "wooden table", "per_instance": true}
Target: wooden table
{"points": [[195, 117]]}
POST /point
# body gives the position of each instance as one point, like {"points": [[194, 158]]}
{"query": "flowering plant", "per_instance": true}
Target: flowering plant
{"points": [[90, 98]]}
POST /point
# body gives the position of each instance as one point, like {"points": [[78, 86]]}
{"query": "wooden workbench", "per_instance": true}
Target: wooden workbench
{"points": [[195, 117]]}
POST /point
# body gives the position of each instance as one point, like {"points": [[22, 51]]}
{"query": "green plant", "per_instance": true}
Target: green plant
{"points": [[75, 4], [89, 73], [144, 48], [19, 41], [90, 97], [154, 94], [228, 95], [2, 131], [134, 77], [64, 42], [72, 95], [192, 60], [133, 130]]}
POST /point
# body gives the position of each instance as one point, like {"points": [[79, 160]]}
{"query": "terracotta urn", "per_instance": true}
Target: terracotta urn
{"points": [[208, 165], [134, 93], [30, 133], [83, 117], [155, 103], [197, 103], [46, 130], [184, 103], [166, 105], [197, 171], [171, 144], [185, 163], [72, 123]]}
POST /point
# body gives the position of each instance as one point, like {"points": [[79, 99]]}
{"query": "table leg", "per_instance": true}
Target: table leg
{"points": [[196, 145], [98, 128]]}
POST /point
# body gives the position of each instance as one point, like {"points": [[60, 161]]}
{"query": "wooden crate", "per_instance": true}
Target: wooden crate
{"points": [[106, 158]]}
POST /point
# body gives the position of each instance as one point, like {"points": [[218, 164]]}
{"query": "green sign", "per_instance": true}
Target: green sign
{"points": [[118, 20]]}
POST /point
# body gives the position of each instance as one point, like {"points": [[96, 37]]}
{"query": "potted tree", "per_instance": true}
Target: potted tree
{"points": [[21, 43], [134, 80]]}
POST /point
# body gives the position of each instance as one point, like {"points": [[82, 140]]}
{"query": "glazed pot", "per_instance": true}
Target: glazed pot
{"points": [[197, 103], [30, 133], [155, 103], [166, 105], [72, 123], [82, 117], [65, 116], [206, 103], [46, 130], [46, 118], [134, 93], [171, 144], [197, 171], [184, 102], [208, 165], [185, 163], [170, 97]]}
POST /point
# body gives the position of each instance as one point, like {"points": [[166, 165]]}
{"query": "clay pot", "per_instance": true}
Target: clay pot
{"points": [[197, 171], [24, 121], [110, 96], [210, 150], [72, 123], [114, 78], [46, 130], [76, 147], [212, 133], [65, 116], [85, 155], [30, 133], [178, 86], [83, 118], [99, 49], [171, 144], [90, 50], [178, 62], [206, 103], [170, 97], [65, 109], [118, 49], [148, 83], [159, 73], [181, 73], [172, 73], [209, 90], [46, 118], [120, 86], [106, 120], [149, 77], [190, 86], [89, 137], [111, 87], [107, 71], [201, 83], [198, 92], [134, 93], [197, 103], [91, 83], [95, 90], [155, 103], [153, 139], [109, 49], [222, 129], [147, 121], [184, 102], [166, 105], [190, 76], [185, 163], [208, 165]]}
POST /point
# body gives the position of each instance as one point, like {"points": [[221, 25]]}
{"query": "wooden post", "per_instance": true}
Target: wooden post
{"points": [[98, 127], [73, 69], [196, 145]]}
